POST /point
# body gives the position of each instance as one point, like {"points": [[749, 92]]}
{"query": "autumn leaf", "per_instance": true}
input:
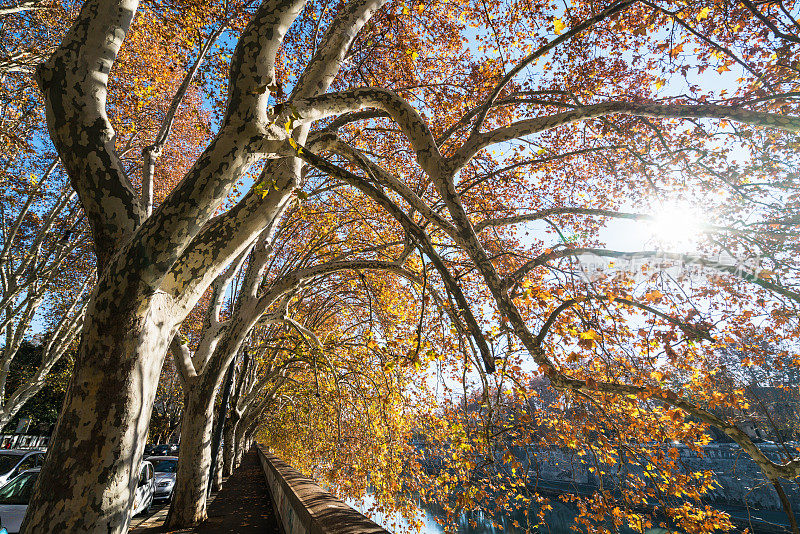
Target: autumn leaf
{"points": [[657, 376], [587, 339], [654, 296], [677, 49], [558, 25]]}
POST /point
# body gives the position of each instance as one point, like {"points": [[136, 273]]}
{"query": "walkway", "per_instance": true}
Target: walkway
{"points": [[242, 506]]}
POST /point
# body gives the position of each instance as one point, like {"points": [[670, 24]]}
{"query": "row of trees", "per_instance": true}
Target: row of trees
{"points": [[360, 210]]}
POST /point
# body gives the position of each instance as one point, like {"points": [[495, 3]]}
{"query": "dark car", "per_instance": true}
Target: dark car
{"points": [[165, 449]]}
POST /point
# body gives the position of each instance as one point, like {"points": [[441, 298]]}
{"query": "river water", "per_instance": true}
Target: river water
{"points": [[558, 521]]}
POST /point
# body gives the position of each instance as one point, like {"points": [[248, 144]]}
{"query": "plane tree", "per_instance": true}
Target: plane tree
{"points": [[583, 133], [311, 253], [44, 273], [539, 295], [43, 280]]}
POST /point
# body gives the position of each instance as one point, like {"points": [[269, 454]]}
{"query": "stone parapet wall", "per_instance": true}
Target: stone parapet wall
{"points": [[303, 507]]}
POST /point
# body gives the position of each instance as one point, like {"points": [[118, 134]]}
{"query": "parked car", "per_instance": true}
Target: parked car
{"points": [[15, 461], [145, 489], [14, 498], [15, 495], [165, 449], [166, 467]]}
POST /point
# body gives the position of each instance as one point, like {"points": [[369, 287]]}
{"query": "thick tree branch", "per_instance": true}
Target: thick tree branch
{"points": [[549, 212], [686, 259], [323, 67], [252, 70], [74, 83], [676, 111], [414, 127], [226, 236], [183, 360]]}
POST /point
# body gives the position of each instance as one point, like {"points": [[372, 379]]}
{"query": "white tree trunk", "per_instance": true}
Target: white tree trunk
{"points": [[229, 449], [188, 506], [216, 482], [102, 427], [239, 447]]}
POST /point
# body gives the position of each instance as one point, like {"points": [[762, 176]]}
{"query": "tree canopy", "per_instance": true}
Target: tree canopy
{"points": [[504, 226]]}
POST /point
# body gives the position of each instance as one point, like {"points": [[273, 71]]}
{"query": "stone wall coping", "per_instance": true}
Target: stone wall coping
{"points": [[317, 510]]}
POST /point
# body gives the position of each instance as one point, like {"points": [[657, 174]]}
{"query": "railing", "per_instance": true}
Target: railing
{"points": [[23, 441], [304, 508]]}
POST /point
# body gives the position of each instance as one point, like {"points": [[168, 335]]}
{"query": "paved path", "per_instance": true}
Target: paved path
{"points": [[242, 506]]}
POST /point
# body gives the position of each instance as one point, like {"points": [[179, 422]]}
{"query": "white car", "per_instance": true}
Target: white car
{"points": [[15, 495], [145, 489], [15, 461], [14, 498]]}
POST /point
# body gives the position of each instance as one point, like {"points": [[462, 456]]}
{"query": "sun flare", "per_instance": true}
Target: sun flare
{"points": [[677, 225]]}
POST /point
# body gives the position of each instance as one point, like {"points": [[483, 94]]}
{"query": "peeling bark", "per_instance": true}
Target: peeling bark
{"points": [[229, 450], [119, 360], [191, 481]]}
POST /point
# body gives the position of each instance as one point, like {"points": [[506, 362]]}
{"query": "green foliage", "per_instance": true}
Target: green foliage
{"points": [[43, 407]]}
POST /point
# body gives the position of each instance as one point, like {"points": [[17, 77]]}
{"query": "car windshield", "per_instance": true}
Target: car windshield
{"points": [[166, 466], [8, 461], [19, 490]]}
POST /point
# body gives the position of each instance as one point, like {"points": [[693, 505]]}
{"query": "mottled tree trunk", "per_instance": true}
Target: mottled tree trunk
{"points": [[229, 448], [239, 447], [188, 506], [251, 437], [216, 481], [102, 427]]}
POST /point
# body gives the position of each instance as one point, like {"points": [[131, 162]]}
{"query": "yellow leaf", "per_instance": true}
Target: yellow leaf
{"points": [[660, 83], [558, 25], [703, 13], [657, 375]]}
